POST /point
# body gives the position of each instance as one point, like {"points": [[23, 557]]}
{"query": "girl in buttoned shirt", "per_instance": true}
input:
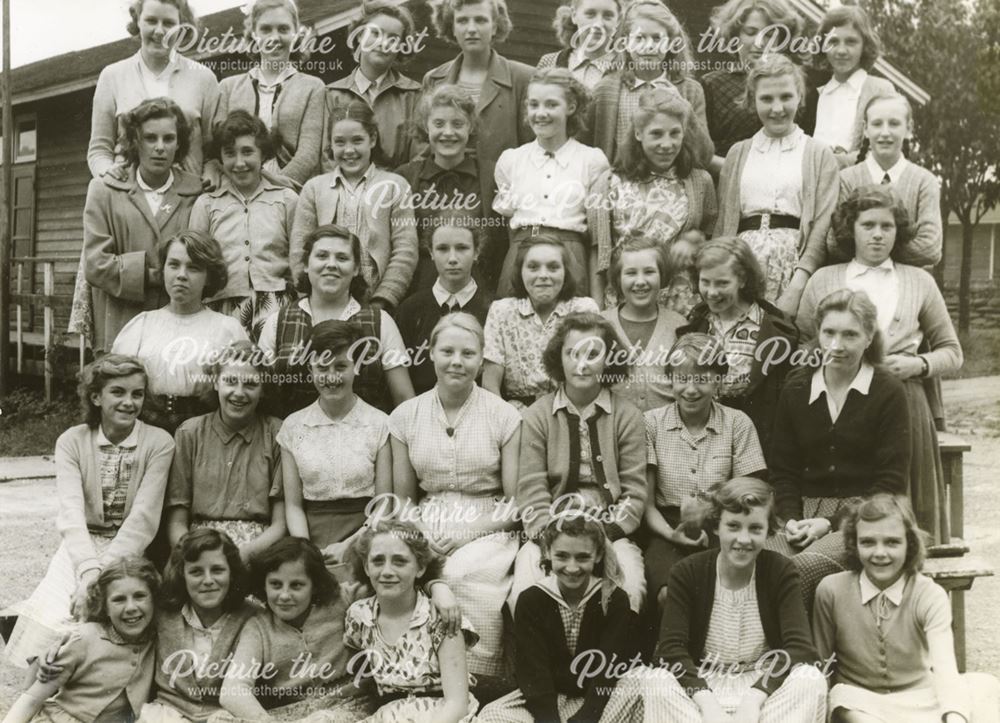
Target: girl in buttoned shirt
{"points": [[872, 227], [519, 327], [455, 453], [251, 218], [586, 30], [364, 199], [105, 667], [655, 191], [694, 445], [645, 329], [111, 472], [290, 662], [886, 629], [549, 183], [226, 472], [658, 53], [583, 447], [399, 639], [851, 46], [778, 190], [203, 610], [335, 452], [290, 103]]}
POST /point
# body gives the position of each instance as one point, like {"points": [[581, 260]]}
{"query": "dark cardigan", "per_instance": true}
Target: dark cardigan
{"points": [[543, 659], [866, 451], [416, 318], [777, 339], [690, 597]]}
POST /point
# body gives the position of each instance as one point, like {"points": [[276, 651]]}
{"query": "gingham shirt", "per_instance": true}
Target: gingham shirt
{"points": [[114, 465], [572, 617], [468, 459], [349, 214], [603, 400], [772, 177], [628, 102], [728, 447], [739, 342]]}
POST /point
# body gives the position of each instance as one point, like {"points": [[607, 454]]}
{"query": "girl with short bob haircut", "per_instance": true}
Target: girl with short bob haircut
{"points": [[586, 30], [887, 628]]}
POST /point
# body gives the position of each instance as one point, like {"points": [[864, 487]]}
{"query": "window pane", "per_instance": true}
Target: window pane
{"points": [[26, 141]]}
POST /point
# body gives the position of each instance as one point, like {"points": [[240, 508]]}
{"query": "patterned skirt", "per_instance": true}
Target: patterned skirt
{"points": [[332, 708], [418, 709], [45, 616], [81, 315], [513, 708], [777, 251], [823, 557], [251, 311], [239, 531]]}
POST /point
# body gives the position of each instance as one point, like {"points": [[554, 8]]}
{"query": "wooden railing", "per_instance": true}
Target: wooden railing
{"points": [[49, 302]]}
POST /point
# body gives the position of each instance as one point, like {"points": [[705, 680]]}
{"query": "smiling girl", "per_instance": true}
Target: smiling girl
{"points": [[547, 185], [111, 472], [586, 30], [888, 129], [778, 190], [872, 227], [107, 662], [365, 200], [398, 637]]}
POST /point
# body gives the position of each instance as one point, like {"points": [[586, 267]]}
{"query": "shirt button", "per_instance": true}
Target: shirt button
{"points": [[599, 458], [607, 486], [247, 258], [694, 470], [247, 242], [833, 468]]}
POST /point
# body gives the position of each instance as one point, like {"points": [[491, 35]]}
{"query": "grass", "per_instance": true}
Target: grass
{"points": [[29, 425], [982, 354]]}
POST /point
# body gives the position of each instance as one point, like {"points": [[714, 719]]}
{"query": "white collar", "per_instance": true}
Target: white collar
{"points": [[149, 189], [764, 143], [855, 268], [857, 79], [661, 81], [878, 173], [172, 62], [262, 84], [352, 308], [550, 585], [364, 84], [463, 296], [562, 155], [192, 619], [862, 381], [338, 177], [870, 590], [130, 442]]}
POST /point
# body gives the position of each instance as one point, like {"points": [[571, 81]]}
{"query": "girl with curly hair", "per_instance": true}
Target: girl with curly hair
{"points": [[586, 30]]}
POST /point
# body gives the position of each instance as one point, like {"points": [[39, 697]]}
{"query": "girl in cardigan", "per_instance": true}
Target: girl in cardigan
{"points": [[335, 452], [655, 190], [586, 30], [582, 446], [111, 472], [455, 453], [887, 629], [778, 190], [577, 606], [399, 639], [841, 431], [693, 446], [251, 218], [735, 639], [226, 472], [291, 104], [157, 70], [549, 184], [203, 611], [729, 119], [872, 227], [290, 660], [367, 201], [851, 48], [519, 327], [176, 341], [498, 86], [445, 182], [645, 329], [882, 159], [125, 222], [658, 54], [104, 670], [381, 39], [335, 289], [757, 338]]}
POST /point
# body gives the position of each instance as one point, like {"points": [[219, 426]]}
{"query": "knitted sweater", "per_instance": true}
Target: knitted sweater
{"points": [[920, 192], [691, 596], [543, 660], [867, 450], [921, 315], [820, 188], [299, 108]]}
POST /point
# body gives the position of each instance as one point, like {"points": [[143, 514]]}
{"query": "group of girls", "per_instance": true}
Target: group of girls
{"points": [[301, 368]]}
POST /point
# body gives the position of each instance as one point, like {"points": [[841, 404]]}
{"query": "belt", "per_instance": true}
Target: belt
{"points": [[768, 220], [538, 230]]}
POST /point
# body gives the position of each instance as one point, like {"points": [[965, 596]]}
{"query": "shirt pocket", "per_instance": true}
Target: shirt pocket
{"points": [[719, 468]]}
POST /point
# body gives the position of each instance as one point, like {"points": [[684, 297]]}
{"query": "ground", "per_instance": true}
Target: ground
{"points": [[28, 537]]}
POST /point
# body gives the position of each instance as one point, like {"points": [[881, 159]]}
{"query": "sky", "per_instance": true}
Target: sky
{"points": [[44, 28]]}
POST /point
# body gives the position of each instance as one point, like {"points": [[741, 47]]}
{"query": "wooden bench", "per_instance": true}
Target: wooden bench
{"points": [[950, 565]]}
